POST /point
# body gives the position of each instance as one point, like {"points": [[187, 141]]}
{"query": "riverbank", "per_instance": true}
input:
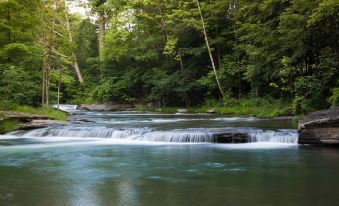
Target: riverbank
{"points": [[262, 109], [23, 117]]}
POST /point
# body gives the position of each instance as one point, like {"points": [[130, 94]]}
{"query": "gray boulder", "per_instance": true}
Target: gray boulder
{"points": [[320, 128], [106, 107]]}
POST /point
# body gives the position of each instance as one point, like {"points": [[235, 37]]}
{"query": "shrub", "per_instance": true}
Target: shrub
{"points": [[334, 99]]}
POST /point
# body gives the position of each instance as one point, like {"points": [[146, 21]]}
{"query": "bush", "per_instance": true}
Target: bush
{"points": [[334, 99], [231, 102], [300, 105]]}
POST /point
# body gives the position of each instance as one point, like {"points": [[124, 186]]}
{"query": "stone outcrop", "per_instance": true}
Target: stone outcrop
{"points": [[39, 123], [106, 107], [320, 128], [31, 121], [23, 117], [236, 137]]}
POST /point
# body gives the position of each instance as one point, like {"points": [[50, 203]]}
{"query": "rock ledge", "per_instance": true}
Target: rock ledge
{"points": [[320, 128]]}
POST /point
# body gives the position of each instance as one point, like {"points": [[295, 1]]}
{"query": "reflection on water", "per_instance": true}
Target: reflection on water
{"points": [[169, 175]]}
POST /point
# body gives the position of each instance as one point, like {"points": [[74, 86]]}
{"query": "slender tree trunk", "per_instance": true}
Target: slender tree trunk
{"points": [[181, 63], [101, 22], [59, 86], [210, 50], [47, 80], [239, 78], [257, 90], [70, 37], [43, 81]]}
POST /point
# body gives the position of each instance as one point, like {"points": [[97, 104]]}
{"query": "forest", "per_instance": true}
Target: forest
{"points": [[171, 53]]}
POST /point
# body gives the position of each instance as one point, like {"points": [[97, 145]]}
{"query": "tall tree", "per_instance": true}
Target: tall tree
{"points": [[70, 37], [209, 50]]}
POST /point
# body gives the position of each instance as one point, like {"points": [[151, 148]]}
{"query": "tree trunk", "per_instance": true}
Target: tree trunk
{"points": [[70, 37], [59, 86], [43, 82], [181, 63], [210, 50], [101, 22], [257, 90]]}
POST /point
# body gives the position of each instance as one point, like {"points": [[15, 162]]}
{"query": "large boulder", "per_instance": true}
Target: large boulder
{"points": [[320, 128], [106, 107]]}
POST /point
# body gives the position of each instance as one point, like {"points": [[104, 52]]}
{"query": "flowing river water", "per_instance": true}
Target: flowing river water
{"points": [[137, 158]]}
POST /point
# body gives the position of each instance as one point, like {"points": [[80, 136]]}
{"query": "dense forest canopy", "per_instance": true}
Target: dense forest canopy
{"points": [[170, 52]]}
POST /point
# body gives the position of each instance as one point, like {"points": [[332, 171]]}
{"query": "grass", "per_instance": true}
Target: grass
{"points": [[52, 113], [49, 112], [8, 125], [259, 107]]}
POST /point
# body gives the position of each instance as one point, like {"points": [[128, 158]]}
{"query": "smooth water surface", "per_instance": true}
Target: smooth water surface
{"points": [[52, 167]]}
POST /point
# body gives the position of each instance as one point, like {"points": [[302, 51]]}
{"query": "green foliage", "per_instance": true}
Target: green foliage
{"points": [[259, 107], [14, 107], [53, 113], [116, 89], [273, 52], [8, 126], [334, 99]]}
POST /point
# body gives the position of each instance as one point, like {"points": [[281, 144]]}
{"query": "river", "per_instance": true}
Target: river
{"points": [[138, 158]]}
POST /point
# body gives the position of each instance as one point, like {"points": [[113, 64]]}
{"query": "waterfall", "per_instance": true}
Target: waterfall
{"points": [[86, 132], [191, 135], [280, 136], [178, 136]]}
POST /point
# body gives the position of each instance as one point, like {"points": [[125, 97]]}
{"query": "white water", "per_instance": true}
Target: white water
{"points": [[191, 135], [153, 127]]}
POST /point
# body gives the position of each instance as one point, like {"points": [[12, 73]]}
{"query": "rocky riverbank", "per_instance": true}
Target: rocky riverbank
{"points": [[106, 107], [23, 121], [320, 128]]}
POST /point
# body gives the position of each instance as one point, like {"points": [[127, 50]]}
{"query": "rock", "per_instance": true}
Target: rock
{"points": [[79, 118], [283, 118], [31, 121], [24, 117], [66, 107], [35, 124], [212, 111], [231, 138], [320, 128], [182, 110], [106, 107]]}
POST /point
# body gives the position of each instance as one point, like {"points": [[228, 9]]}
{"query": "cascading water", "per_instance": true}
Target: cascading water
{"points": [[280, 136], [191, 135], [159, 127]]}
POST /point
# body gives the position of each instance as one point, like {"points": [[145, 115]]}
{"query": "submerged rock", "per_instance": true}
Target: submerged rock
{"points": [[236, 137], [320, 128], [182, 110], [211, 111], [106, 107]]}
